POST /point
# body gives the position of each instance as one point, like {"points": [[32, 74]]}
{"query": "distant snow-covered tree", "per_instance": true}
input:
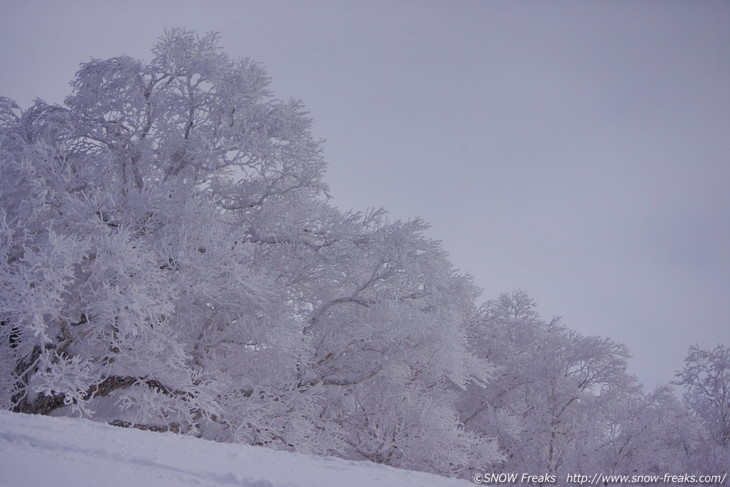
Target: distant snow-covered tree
{"points": [[706, 379], [544, 403], [648, 434], [706, 376]]}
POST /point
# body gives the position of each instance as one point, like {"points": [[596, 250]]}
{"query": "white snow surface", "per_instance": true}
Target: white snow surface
{"points": [[45, 451]]}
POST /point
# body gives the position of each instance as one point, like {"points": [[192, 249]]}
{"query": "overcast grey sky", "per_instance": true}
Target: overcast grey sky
{"points": [[578, 150]]}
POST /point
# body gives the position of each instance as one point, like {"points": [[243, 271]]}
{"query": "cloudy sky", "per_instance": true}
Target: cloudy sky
{"points": [[577, 150]]}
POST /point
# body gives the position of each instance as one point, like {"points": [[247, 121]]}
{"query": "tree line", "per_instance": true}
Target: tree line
{"points": [[170, 260]]}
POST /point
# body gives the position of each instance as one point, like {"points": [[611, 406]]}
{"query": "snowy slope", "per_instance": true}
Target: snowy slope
{"points": [[45, 451]]}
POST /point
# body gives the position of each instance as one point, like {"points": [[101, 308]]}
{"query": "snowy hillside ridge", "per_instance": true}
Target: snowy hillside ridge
{"points": [[41, 451]]}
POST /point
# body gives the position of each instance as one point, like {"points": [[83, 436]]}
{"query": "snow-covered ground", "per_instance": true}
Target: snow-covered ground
{"points": [[59, 452]]}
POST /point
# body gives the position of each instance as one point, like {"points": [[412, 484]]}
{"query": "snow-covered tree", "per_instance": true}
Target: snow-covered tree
{"points": [[706, 376], [544, 403], [388, 329], [170, 261], [706, 379], [130, 293], [648, 434]]}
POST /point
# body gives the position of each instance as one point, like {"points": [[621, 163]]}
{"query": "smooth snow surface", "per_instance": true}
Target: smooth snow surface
{"points": [[45, 451]]}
